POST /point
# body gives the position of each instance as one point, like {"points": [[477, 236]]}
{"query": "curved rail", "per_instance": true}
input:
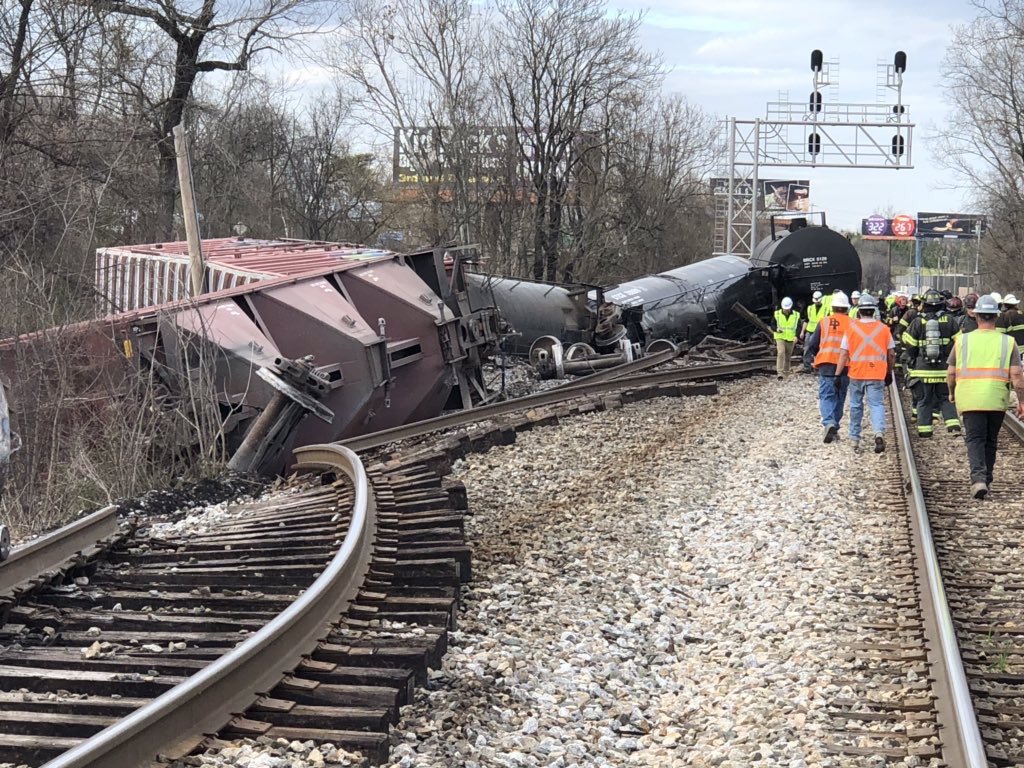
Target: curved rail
{"points": [[963, 746], [589, 386], [49, 552], [207, 700]]}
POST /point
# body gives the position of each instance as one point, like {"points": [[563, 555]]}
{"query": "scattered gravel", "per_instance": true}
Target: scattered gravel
{"points": [[270, 753], [669, 584]]}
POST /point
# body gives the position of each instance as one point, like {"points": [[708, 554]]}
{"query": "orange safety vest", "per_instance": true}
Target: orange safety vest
{"points": [[869, 350], [833, 328]]}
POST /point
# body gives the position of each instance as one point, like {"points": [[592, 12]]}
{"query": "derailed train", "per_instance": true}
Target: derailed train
{"points": [[363, 339], [681, 305]]}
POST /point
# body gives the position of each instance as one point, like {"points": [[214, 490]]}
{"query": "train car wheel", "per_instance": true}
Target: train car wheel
{"points": [[5, 543]]}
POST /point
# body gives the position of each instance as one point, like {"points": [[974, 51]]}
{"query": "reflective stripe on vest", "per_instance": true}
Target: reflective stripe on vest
{"points": [[833, 328], [983, 371], [786, 325], [814, 315], [867, 342]]}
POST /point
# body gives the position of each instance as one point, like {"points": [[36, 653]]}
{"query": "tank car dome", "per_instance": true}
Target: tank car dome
{"points": [[811, 259]]}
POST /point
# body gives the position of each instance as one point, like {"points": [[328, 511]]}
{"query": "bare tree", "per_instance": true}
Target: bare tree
{"points": [[218, 35], [982, 142], [416, 67], [567, 60]]}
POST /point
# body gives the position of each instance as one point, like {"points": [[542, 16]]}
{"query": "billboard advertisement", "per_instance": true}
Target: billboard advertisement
{"points": [[776, 195], [780, 195], [878, 227], [420, 155], [958, 226]]}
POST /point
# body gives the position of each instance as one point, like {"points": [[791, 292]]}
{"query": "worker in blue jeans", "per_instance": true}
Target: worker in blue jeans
{"points": [[869, 354], [825, 346]]}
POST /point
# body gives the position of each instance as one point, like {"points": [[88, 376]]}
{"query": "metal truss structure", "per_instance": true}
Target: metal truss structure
{"points": [[818, 133]]}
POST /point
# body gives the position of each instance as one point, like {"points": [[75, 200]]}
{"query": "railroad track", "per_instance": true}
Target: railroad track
{"points": [[951, 630], [310, 616], [980, 553]]}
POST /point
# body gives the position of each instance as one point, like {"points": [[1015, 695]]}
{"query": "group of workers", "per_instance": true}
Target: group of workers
{"points": [[960, 359]]}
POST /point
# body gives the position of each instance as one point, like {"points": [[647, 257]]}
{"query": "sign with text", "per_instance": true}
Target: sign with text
{"points": [[422, 155], [878, 227], [957, 226], [776, 195]]}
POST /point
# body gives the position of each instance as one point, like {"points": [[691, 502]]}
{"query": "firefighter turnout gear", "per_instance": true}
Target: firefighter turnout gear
{"points": [[927, 343], [1011, 322]]}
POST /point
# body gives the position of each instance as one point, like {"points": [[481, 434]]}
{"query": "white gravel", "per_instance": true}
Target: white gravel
{"points": [[668, 584]]}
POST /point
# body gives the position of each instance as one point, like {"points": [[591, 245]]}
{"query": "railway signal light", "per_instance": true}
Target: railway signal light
{"points": [[813, 144], [818, 59], [899, 62], [815, 101], [897, 145]]}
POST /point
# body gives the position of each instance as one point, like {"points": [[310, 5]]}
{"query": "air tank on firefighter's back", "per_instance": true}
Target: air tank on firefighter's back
{"points": [[809, 259]]}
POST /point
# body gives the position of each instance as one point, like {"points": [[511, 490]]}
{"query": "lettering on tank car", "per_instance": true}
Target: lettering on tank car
{"points": [[812, 262]]}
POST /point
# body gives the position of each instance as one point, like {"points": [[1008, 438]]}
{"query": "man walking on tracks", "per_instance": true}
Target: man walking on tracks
{"points": [[824, 346], [928, 341], [869, 352], [786, 323], [982, 367]]}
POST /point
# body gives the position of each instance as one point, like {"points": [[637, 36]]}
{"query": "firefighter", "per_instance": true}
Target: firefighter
{"points": [[1011, 322], [927, 343]]}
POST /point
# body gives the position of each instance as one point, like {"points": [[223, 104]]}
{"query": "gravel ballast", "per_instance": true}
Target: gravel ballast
{"points": [[668, 584]]}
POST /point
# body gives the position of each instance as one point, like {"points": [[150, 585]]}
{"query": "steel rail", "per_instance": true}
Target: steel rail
{"points": [[49, 552], [551, 397], [207, 700], [1015, 425], [963, 746]]}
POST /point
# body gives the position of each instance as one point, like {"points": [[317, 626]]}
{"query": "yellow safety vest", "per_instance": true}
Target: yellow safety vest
{"points": [[814, 314], [786, 326], [983, 371]]}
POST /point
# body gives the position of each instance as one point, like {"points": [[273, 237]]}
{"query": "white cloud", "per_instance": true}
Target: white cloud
{"points": [[734, 56]]}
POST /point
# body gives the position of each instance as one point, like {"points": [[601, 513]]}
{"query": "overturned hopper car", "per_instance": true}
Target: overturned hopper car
{"points": [[382, 345], [682, 305]]}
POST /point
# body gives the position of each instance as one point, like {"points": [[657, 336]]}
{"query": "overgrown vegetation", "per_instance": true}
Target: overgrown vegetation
{"points": [[547, 143]]}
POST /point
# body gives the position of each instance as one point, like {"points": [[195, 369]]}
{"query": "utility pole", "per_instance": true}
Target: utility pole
{"points": [[188, 211]]}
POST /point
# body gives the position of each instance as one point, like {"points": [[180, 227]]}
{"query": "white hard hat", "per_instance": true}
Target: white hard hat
{"points": [[998, 298], [1011, 299], [816, 296], [855, 295], [787, 303], [840, 300]]}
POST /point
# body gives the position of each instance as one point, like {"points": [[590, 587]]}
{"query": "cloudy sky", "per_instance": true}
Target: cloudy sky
{"points": [[733, 56]]}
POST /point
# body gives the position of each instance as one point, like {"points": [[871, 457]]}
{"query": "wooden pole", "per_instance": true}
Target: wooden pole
{"points": [[188, 211]]}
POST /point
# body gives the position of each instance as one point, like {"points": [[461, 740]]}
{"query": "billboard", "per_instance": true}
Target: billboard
{"points": [[786, 195], [776, 195], [420, 155], [958, 226], [878, 227]]}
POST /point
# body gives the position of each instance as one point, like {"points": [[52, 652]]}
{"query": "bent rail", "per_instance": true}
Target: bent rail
{"points": [[210, 698], [54, 549], [588, 386], [964, 747]]}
